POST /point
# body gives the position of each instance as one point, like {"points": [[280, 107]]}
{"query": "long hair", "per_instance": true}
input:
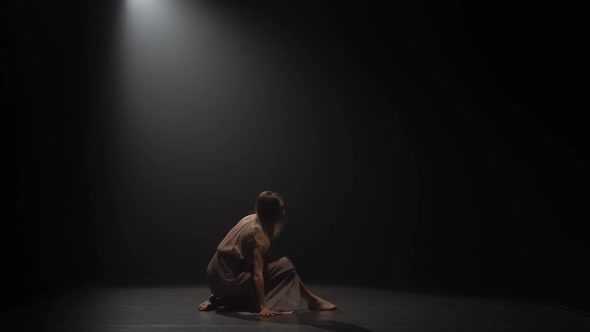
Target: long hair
{"points": [[268, 209]]}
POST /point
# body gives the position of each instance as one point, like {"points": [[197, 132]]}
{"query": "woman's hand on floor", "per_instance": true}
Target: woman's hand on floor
{"points": [[265, 312]]}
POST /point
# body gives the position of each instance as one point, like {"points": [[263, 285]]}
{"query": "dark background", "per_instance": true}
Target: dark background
{"points": [[427, 145]]}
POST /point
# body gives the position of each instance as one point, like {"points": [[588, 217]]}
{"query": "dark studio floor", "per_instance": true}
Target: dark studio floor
{"points": [[175, 309]]}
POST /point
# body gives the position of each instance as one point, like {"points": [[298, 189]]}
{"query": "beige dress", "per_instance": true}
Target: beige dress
{"points": [[229, 273]]}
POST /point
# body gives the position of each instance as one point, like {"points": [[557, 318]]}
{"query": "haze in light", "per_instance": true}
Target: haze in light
{"points": [[200, 89]]}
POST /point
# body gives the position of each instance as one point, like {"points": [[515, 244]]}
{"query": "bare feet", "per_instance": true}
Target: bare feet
{"points": [[321, 304], [206, 305]]}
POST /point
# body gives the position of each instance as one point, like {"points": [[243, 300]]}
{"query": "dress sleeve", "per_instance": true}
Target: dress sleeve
{"points": [[260, 239]]}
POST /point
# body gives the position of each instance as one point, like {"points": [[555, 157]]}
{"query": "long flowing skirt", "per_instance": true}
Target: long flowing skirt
{"points": [[229, 278]]}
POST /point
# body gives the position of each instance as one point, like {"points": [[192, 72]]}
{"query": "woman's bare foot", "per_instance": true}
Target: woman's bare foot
{"points": [[206, 305], [321, 304]]}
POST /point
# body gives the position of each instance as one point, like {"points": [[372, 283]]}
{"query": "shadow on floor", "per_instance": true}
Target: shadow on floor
{"points": [[319, 319]]}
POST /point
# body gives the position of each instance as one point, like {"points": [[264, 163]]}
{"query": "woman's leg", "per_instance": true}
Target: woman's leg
{"points": [[212, 301], [283, 287], [314, 302], [283, 281]]}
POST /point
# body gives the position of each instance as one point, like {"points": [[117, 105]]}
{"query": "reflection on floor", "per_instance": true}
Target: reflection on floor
{"points": [[175, 309]]}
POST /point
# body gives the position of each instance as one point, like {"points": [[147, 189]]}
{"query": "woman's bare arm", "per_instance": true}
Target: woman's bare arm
{"points": [[259, 283]]}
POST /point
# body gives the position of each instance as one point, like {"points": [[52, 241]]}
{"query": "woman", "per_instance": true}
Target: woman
{"points": [[239, 274]]}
